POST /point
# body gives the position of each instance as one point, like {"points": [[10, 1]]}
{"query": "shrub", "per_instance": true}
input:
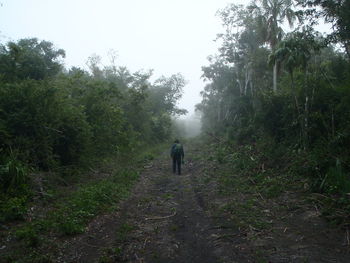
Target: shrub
{"points": [[13, 209]]}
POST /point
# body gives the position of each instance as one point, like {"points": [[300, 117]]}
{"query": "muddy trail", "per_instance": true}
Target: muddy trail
{"points": [[176, 218]]}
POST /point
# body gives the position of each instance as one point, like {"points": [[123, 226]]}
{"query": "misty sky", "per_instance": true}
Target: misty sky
{"points": [[169, 36]]}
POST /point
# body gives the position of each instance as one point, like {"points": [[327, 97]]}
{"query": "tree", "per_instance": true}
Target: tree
{"points": [[29, 59], [335, 12], [271, 15], [94, 62], [293, 52], [241, 41], [165, 93]]}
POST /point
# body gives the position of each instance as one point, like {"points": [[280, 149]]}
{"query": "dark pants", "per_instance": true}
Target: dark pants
{"points": [[177, 163]]}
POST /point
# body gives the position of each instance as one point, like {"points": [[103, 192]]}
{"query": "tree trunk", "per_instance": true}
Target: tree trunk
{"points": [[299, 119], [241, 91], [347, 49], [275, 77], [333, 129], [306, 122], [294, 93], [246, 82]]}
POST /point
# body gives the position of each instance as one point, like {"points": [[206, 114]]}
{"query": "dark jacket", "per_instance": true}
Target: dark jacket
{"points": [[177, 154]]}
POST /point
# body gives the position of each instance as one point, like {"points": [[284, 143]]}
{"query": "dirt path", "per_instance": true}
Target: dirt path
{"points": [[164, 220], [171, 218]]}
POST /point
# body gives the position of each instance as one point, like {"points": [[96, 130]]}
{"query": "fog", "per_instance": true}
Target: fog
{"points": [[188, 127], [166, 36]]}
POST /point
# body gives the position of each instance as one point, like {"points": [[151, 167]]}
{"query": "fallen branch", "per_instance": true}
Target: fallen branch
{"points": [[226, 236], [261, 196], [253, 182], [318, 195], [89, 245], [42, 193], [160, 217], [144, 243], [220, 227]]}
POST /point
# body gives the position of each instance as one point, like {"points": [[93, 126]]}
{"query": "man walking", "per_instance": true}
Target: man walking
{"points": [[177, 153]]}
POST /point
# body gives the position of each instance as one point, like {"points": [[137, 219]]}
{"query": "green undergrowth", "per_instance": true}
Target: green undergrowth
{"points": [[149, 153], [70, 215], [258, 175], [115, 253], [22, 186], [67, 210], [15, 191], [90, 200]]}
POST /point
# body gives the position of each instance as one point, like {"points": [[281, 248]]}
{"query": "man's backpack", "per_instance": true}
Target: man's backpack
{"points": [[177, 149]]}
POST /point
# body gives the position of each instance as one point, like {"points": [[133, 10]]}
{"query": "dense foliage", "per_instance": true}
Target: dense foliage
{"points": [[287, 94], [52, 118]]}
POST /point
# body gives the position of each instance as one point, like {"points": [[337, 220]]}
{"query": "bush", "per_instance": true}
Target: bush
{"points": [[335, 180], [44, 127], [14, 176], [90, 200], [13, 209], [28, 235]]}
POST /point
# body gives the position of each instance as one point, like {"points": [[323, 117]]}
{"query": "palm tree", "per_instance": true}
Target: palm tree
{"points": [[294, 52], [271, 15]]}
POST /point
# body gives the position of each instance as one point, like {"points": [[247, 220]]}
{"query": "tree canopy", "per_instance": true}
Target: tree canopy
{"points": [[53, 117], [307, 113]]}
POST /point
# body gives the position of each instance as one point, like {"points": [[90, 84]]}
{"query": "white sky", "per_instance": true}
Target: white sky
{"points": [[169, 36]]}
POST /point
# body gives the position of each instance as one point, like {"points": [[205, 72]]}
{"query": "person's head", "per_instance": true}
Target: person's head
{"points": [[176, 141]]}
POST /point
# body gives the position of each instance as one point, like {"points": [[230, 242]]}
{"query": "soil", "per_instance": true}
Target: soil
{"points": [[175, 218]]}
